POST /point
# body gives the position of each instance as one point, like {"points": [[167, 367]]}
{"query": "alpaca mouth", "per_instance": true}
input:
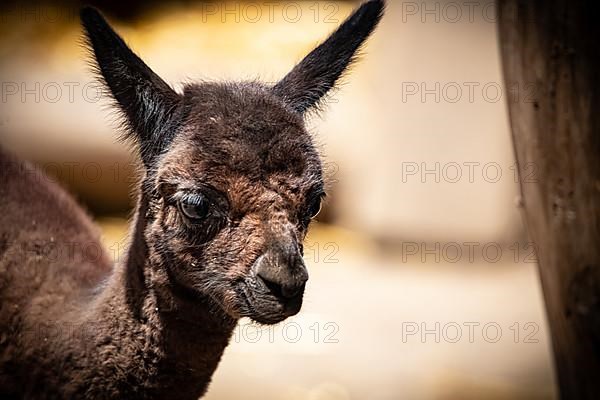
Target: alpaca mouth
{"points": [[264, 306]]}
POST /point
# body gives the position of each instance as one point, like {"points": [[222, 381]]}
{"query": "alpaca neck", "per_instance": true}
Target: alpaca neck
{"points": [[146, 282], [181, 335]]}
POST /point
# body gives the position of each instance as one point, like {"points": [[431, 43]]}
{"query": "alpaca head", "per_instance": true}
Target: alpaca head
{"points": [[232, 178]]}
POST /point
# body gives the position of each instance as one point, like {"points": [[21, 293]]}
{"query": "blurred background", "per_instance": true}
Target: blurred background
{"points": [[423, 284]]}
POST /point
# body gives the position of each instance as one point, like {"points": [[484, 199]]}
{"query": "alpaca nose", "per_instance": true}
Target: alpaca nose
{"points": [[282, 271]]}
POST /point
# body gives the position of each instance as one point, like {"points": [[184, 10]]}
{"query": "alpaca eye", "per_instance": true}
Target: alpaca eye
{"points": [[194, 207], [314, 208]]}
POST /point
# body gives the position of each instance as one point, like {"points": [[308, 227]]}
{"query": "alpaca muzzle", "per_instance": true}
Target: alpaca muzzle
{"points": [[282, 271]]}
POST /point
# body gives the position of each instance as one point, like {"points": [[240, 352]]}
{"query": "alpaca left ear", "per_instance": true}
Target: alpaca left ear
{"points": [[318, 73], [150, 106]]}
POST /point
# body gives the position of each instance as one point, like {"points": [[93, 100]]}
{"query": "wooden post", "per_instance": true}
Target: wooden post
{"points": [[553, 46]]}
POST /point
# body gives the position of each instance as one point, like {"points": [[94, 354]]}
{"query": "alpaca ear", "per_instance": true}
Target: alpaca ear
{"points": [[318, 72], [150, 106]]}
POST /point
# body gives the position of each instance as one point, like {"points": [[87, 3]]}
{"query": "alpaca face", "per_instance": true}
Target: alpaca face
{"points": [[237, 189], [232, 177]]}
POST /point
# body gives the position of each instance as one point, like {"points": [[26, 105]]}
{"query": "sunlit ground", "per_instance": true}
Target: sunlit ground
{"points": [[377, 327]]}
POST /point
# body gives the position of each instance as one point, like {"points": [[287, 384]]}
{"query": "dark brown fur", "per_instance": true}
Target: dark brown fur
{"points": [[155, 325]]}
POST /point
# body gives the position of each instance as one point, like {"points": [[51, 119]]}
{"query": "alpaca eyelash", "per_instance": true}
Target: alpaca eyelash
{"points": [[195, 198], [217, 214], [197, 191], [188, 197]]}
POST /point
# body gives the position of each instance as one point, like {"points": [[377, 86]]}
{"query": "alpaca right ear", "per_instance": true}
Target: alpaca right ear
{"points": [[319, 71], [150, 106]]}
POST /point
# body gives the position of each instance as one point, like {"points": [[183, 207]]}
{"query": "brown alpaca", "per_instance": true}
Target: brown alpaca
{"points": [[231, 180]]}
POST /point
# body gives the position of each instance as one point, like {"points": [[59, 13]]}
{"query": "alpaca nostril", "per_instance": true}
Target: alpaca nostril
{"points": [[281, 271], [273, 287], [292, 291], [280, 290]]}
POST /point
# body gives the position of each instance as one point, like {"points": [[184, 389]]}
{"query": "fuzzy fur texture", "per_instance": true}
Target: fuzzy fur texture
{"points": [[230, 182]]}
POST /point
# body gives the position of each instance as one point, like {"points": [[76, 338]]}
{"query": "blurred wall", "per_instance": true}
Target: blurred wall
{"points": [[421, 130]]}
